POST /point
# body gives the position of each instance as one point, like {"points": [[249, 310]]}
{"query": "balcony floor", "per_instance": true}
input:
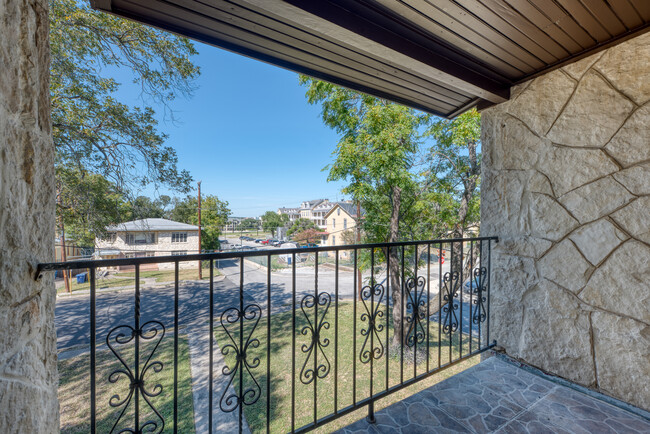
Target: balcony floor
{"points": [[497, 396]]}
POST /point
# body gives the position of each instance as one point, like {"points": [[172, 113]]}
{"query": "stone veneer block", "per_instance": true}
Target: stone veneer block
{"points": [[622, 354], [555, 333], [595, 200], [592, 116], [628, 218], [550, 219], [28, 371], [629, 76], [565, 266], [636, 178], [631, 144], [583, 189], [540, 104], [597, 240], [570, 168], [622, 283]]}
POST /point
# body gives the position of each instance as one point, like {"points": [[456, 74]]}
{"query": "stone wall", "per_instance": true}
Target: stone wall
{"points": [[566, 186], [28, 374]]}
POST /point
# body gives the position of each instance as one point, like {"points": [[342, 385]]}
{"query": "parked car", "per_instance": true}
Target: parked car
{"points": [[310, 245], [259, 240], [265, 241], [274, 242]]}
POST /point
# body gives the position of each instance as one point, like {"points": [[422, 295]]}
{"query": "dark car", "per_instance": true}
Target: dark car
{"points": [[259, 240]]}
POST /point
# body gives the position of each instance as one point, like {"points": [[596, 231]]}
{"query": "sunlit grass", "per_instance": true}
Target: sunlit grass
{"points": [[351, 384], [74, 389]]}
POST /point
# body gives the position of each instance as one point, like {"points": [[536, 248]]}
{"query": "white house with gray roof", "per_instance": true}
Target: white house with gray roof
{"points": [[149, 237]]}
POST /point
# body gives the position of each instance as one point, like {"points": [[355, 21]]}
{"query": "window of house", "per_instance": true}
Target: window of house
{"points": [[141, 238], [110, 237], [338, 211], [345, 223], [179, 237], [179, 253], [333, 223], [333, 240]]}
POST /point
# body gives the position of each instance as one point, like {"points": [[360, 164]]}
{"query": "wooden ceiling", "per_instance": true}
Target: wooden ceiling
{"points": [[440, 56]]}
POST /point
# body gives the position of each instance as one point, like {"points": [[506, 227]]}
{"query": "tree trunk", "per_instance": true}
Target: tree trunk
{"points": [[394, 257]]}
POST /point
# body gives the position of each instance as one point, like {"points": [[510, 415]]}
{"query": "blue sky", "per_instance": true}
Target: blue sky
{"points": [[248, 134]]}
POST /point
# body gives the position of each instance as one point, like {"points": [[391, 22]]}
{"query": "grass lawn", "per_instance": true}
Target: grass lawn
{"points": [[100, 284], [163, 276], [74, 389], [281, 368]]}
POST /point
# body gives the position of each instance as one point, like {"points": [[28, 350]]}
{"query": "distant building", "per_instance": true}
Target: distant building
{"points": [[341, 218], [150, 237], [293, 213]]}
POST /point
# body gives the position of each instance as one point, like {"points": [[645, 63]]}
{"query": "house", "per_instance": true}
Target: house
{"points": [[341, 219], [149, 237], [293, 213]]}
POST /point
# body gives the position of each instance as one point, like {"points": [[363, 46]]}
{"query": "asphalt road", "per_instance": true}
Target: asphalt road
{"points": [[117, 307]]}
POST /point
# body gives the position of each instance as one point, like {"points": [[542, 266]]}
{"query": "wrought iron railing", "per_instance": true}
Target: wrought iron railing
{"points": [[408, 310]]}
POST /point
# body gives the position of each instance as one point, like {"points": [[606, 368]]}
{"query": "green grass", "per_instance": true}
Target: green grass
{"points": [[100, 284], [281, 369], [74, 389]]}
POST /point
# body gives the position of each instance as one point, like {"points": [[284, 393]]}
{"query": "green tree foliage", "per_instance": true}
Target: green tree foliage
{"points": [[301, 225], [96, 134], [309, 235], [214, 215], [248, 223], [87, 204], [271, 221], [143, 207], [453, 176]]}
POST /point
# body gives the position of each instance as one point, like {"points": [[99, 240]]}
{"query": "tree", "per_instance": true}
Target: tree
{"points": [[214, 215], [300, 225], [271, 221], [310, 235], [249, 223], [86, 204], [94, 133], [376, 155], [143, 207]]}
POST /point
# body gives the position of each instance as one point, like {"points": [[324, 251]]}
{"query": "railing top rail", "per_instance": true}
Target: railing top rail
{"points": [[95, 263]]}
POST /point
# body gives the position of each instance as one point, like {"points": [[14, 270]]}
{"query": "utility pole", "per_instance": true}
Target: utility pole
{"points": [[63, 252], [359, 284], [200, 270]]}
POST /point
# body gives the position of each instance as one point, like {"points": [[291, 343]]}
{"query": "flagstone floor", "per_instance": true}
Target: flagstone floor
{"points": [[497, 396]]}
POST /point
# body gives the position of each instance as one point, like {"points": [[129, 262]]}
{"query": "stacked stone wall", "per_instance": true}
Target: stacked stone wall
{"points": [[28, 374], [566, 186]]}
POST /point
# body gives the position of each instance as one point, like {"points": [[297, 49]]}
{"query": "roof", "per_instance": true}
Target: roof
{"points": [[348, 207], [313, 203], [440, 56], [151, 225]]}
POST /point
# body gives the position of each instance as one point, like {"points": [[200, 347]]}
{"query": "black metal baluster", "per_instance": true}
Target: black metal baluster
{"points": [[354, 330], [440, 256], [371, 330], [176, 264], [487, 288], [336, 332], [451, 301], [316, 336], [137, 346], [480, 284], [93, 360], [293, 342], [268, 343], [388, 295], [211, 357], [428, 302], [241, 343], [416, 314], [471, 292], [401, 338], [460, 329]]}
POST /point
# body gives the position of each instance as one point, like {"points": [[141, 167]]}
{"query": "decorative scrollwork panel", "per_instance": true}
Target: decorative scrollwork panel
{"points": [[372, 297], [117, 338], [231, 398], [450, 300], [317, 343], [415, 311], [479, 295]]}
